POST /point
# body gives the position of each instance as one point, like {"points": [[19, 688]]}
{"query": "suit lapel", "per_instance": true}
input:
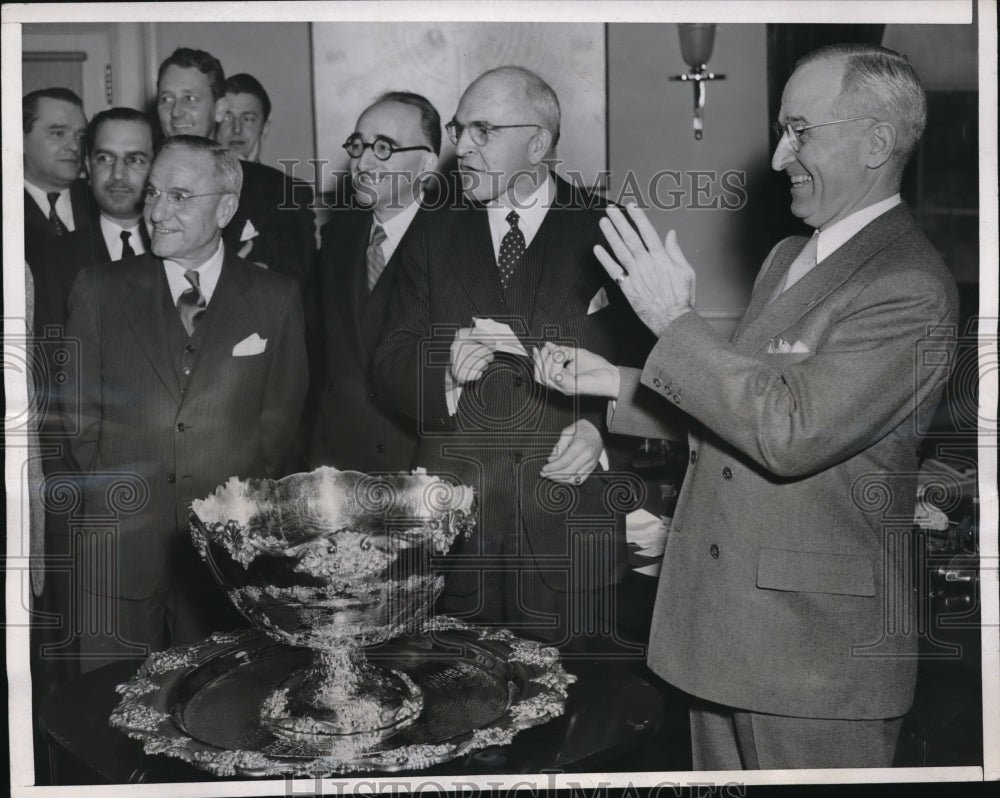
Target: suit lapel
{"points": [[773, 274], [560, 266], [812, 289], [472, 262], [229, 311], [353, 288], [143, 310]]}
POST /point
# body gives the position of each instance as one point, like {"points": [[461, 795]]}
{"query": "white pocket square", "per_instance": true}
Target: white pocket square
{"points": [[599, 301], [249, 231], [251, 345], [780, 346]]}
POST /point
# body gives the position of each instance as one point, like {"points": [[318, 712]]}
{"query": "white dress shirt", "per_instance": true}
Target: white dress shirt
{"points": [[836, 235], [395, 228], [112, 232], [64, 206], [531, 212], [208, 275]]}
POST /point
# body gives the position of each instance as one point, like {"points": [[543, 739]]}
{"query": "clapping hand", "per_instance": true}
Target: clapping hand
{"points": [[655, 277], [575, 372]]}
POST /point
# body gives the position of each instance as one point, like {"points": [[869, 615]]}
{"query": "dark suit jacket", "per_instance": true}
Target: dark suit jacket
{"points": [[171, 441], [76, 250], [279, 209], [47, 254], [786, 585], [506, 424], [354, 430]]}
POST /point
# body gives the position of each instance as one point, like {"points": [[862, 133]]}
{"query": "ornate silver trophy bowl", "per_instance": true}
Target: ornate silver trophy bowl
{"points": [[334, 562]]}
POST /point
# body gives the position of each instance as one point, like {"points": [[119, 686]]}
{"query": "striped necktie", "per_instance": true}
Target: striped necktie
{"points": [[191, 304], [58, 228], [375, 257]]}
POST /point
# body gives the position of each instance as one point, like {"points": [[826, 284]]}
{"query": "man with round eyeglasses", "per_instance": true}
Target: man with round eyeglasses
{"points": [[192, 369], [479, 284], [785, 606], [393, 152]]}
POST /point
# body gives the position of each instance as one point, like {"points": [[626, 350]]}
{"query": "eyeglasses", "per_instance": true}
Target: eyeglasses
{"points": [[175, 199], [479, 132], [794, 131], [382, 148]]}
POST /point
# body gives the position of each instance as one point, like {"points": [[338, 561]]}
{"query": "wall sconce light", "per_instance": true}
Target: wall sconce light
{"points": [[697, 39]]}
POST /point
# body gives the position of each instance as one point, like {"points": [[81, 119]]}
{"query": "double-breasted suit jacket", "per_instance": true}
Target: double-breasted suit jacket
{"points": [[176, 415], [558, 538], [355, 429], [786, 582]]}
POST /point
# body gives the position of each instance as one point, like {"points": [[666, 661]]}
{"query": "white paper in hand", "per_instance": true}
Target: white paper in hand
{"points": [[500, 335]]}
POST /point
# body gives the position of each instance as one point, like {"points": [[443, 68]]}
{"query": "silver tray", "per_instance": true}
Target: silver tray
{"points": [[200, 703]]}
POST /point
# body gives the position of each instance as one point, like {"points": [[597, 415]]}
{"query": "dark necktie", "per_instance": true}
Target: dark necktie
{"points": [[191, 304], [127, 251], [374, 257], [58, 228], [511, 249]]}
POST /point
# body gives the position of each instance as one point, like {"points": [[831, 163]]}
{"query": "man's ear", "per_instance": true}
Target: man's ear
{"points": [[880, 144], [538, 146], [428, 162], [226, 209], [221, 106], [263, 131]]}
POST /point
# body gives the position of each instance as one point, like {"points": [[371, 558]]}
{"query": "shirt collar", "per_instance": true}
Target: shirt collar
{"points": [[836, 235], [64, 205], [208, 275], [531, 213], [395, 228], [111, 229]]}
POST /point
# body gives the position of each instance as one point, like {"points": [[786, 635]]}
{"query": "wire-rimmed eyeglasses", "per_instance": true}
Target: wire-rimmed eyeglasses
{"points": [[381, 148], [479, 132], [793, 131], [175, 199]]}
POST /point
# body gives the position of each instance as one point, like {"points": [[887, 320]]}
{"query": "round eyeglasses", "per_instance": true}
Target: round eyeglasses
{"points": [[383, 149], [479, 132], [793, 131]]}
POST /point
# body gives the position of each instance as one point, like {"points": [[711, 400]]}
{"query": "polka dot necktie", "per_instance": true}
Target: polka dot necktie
{"points": [[58, 228], [511, 249], [191, 304]]}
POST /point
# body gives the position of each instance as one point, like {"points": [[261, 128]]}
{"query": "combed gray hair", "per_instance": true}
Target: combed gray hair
{"points": [[226, 168], [881, 83], [539, 95]]}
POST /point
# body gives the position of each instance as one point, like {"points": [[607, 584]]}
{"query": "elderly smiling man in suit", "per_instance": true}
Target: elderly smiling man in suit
{"points": [[192, 370], [784, 587]]}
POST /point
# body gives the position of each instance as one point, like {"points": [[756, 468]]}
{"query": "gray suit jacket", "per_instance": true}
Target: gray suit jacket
{"points": [[166, 439], [786, 584]]}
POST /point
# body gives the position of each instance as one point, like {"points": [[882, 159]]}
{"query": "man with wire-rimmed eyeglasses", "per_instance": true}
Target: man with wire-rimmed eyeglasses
{"points": [[786, 609], [480, 284], [393, 152], [192, 370]]}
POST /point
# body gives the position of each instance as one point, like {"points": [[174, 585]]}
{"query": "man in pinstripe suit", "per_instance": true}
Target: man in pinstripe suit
{"points": [[516, 250]]}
